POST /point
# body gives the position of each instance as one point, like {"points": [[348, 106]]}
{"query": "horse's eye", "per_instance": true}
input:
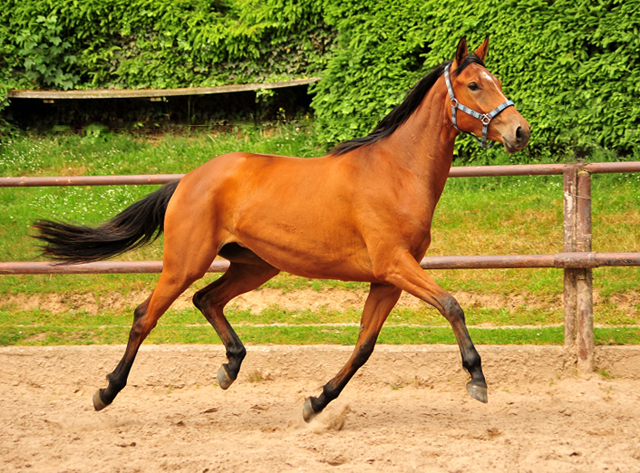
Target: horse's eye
{"points": [[473, 86]]}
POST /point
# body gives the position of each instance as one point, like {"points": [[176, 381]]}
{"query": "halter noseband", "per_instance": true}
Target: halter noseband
{"points": [[485, 118]]}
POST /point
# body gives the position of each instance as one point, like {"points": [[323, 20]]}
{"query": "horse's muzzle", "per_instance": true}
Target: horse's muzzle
{"points": [[518, 139]]}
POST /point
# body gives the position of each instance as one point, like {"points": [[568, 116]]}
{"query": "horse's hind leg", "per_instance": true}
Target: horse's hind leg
{"points": [[379, 303], [145, 319], [239, 278]]}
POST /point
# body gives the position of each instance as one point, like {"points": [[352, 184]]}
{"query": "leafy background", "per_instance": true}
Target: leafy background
{"points": [[572, 67]]}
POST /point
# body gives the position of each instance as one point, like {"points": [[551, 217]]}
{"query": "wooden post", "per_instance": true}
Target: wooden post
{"points": [[584, 279], [570, 173]]}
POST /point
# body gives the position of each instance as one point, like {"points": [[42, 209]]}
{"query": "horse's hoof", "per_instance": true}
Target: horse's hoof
{"points": [[478, 392], [98, 403], [223, 378], [307, 411]]}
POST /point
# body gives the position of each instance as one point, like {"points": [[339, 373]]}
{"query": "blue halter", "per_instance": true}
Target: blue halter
{"points": [[485, 118]]}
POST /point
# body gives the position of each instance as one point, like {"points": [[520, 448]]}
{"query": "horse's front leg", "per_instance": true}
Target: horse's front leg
{"points": [[403, 271], [380, 301]]}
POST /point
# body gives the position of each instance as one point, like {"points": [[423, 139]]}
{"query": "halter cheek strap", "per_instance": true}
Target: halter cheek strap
{"points": [[485, 118]]}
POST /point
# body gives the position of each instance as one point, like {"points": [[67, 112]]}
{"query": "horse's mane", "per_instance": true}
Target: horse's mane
{"points": [[402, 112]]}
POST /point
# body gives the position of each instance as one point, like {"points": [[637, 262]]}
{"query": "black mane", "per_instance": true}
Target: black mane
{"points": [[402, 112]]}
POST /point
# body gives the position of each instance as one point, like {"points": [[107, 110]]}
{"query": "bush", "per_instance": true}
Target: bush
{"points": [[572, 67], [156, 43]]}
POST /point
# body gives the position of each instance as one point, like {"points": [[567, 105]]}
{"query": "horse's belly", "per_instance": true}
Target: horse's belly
{"points": [[322, 254], [321, 268]]}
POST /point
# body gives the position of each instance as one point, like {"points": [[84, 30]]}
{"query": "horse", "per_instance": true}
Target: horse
{"points": [[363, 213]]}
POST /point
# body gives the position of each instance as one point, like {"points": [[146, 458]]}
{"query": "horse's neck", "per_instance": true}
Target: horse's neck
{"points": [[424, 143]]}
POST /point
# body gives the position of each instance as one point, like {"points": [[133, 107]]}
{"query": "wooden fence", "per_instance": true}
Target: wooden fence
{"points": [[577, 260]]}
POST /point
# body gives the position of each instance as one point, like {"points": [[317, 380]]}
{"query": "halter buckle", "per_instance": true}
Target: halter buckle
{"points": [[485, 119]]}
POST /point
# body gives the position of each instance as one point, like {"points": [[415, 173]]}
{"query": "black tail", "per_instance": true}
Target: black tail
{"points": [[137, 225]]}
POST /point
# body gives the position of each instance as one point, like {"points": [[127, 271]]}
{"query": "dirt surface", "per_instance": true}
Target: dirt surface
{"points": [[406, 410], [329, 299]]}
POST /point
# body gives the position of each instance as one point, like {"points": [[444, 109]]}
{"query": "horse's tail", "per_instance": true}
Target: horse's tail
{"points": [[137, 225]]}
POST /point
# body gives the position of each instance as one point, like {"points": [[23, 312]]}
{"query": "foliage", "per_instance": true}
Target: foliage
{"points": [[43, 53], [572, 67], [41, 328], [152, 43]]}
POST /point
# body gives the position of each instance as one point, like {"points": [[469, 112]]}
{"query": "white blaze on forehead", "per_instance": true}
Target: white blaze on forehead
{"points": [[486, 76], [489, 78]]}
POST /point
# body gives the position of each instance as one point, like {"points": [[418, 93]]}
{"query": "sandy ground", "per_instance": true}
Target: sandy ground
{"points": [[406, 410], [329, 299]]}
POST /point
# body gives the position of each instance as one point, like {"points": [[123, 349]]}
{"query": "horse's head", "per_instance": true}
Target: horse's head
{"points": [[478, 94]]}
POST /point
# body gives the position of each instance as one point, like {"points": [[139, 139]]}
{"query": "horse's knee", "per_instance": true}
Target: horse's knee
{"points": [[451, 309], [143, 322]]}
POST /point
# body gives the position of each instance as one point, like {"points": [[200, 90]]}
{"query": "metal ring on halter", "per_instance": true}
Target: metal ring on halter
{"points": [[485, 118]]}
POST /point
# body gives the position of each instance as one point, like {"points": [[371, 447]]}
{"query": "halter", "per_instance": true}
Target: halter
{"points": [[485, 118]]}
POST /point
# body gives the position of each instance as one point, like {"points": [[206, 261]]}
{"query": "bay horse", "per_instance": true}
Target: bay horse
{"points": [[361, 213]]}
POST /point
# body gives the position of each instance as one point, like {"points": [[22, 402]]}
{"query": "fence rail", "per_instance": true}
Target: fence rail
{"points": [[558, 260], [461, 171], [577, 260]]}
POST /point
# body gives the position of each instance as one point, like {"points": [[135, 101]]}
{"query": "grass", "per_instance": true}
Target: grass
{"points": [[510, 215], [88, 330]]}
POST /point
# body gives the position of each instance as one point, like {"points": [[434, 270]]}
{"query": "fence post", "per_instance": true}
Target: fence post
{"points": [[584, 279], [570, 172]]}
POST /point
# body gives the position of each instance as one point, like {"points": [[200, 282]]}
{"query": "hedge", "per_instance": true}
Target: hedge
{"points": [[572, 67], [67, 44]]}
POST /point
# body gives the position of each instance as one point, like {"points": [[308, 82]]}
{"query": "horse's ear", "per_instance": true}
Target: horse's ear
{"points": [[461, 52], [481, 52]]}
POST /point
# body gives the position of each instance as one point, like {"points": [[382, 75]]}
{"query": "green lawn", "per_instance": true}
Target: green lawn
{"points": [[510, 215]]}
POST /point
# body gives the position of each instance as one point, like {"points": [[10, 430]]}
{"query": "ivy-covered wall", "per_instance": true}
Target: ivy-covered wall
{"points": [[572, 67]]}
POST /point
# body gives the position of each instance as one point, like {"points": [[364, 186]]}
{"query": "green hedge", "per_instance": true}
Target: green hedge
{"points": [[572, 67], [66, 44]]}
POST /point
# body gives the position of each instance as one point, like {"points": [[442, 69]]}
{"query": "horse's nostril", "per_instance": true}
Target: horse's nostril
{"points": [[519, 134]]}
